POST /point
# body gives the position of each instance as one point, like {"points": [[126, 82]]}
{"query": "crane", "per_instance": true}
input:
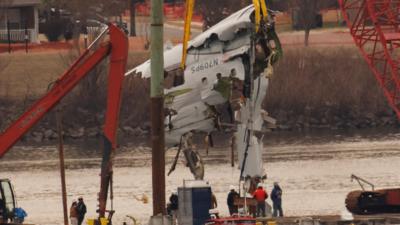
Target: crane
{"points": [[117, 50], [375, 27]]}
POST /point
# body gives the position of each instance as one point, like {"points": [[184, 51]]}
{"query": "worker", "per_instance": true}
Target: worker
{"points": [[81, 209], [260, 195], [223, 85], [233, 209], [214, 203], [172, 207], [19, 215], [3, 217], [213, 207], [276, 197], [73, 213]]}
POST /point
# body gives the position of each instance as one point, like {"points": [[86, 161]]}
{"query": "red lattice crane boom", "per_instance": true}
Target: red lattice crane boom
{"points": [[374, 25]]}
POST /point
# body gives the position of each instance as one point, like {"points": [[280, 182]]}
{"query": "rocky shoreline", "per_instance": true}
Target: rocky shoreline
{"points": [[325, 118]]}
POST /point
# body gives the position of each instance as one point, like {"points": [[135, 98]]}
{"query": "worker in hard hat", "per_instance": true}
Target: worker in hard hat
{"points": [[73, 213], [233, 209], [172, 207], [276, 197], [81, 209], [260, 195]]}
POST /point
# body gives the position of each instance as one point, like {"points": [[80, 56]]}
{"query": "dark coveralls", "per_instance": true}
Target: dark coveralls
{"points": [[231, 200], [81, 208], [276, 197], [173, 204], [172, 207]]}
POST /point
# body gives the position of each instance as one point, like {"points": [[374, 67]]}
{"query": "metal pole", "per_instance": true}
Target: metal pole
{"points": [[9, 36], [62, 165], [233, 147], [157, 107], [26, 37]]}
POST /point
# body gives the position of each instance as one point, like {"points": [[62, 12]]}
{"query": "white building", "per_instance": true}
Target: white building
{"points": [[18, 15]]}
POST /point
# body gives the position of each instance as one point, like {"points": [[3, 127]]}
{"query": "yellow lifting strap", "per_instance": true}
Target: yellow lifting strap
{"points": [[186, 33], [257, 15], [259, 7], [264, 9]]}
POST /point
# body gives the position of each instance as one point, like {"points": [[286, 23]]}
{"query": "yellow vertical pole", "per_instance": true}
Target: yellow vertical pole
{"points": [[186, 33], [257, 15]]}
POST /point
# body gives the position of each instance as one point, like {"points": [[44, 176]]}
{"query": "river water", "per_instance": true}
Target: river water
{"points": [[313, 170]]}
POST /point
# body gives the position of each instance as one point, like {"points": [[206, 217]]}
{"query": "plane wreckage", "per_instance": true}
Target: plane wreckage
{"points": [[227, 67]]}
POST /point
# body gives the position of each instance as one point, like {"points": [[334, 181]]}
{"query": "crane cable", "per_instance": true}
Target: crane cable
{"points": [[186, 33]]}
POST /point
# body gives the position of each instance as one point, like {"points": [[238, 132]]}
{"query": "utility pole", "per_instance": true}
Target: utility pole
{"points": [[157, 107], [132, 19], [62, 165]]}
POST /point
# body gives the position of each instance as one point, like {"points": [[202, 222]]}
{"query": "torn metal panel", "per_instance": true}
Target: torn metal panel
{"points": [[224, 31], [227, 28], [260, 90], [194, 117], [254, 163]]}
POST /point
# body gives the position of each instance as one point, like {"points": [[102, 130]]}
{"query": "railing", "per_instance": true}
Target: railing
{"points": [[18, 35]]}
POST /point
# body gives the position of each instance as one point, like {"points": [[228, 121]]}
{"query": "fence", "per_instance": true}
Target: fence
{"points": [[18, 35], [171, 11], [93, 32]]}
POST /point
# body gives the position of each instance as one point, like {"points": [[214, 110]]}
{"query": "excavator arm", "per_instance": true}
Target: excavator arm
{"points": [[117, 49]]}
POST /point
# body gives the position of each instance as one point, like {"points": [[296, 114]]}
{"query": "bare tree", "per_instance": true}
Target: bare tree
{"points": [[307, 12], [214, 11], [83, 10], [4, 5], [132, 15]]}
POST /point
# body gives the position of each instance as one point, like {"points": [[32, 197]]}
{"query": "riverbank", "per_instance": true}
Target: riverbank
{"points": [[315, 88]]}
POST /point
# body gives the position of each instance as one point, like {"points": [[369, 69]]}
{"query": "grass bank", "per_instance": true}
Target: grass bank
{"points": [[326, 84]]}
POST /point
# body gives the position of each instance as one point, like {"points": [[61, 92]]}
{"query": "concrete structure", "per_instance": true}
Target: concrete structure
{"points": [[19, 13]]}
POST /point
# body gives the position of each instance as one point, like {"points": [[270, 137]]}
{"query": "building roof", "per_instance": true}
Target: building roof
{"points": [[16, 3]]}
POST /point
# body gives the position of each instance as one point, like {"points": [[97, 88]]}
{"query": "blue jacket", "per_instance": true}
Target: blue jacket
{"points": [[276, 195], [20, 213]]}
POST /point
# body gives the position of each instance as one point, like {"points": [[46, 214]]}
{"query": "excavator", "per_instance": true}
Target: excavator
{"points": [[116, 48]]}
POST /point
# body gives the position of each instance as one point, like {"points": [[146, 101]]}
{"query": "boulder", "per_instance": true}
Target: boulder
{"points": [[37, 136], [76, 133], [92, 132], [49, 134]]}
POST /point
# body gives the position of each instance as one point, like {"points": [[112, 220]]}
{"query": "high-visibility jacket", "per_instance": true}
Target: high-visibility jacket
{"points": [[260, 195]]}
